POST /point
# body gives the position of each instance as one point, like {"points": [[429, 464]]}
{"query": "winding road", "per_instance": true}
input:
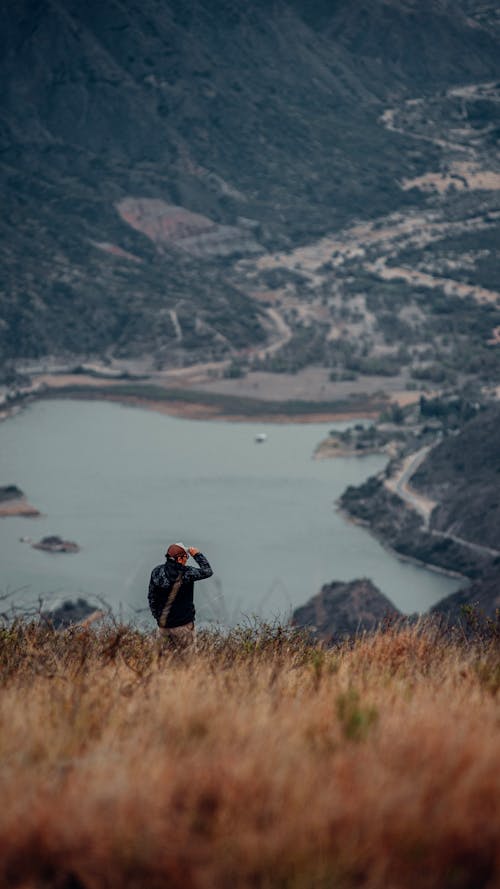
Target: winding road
{"points": [[424, 506]]}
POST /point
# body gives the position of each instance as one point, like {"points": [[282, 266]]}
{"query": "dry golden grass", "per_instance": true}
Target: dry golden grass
{"points": [[261, 762]]}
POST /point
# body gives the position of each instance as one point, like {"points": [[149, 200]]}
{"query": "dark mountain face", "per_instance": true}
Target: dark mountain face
{"points": [[463, 475], [345, 609], [483, 596], [412, 43], [262, 119]]}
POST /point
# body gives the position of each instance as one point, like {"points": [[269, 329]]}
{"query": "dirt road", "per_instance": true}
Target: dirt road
{"points": [[399, 484]]}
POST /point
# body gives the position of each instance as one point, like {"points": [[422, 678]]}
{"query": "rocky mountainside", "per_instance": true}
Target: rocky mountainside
{"points": [[342, 610], [144, 149], [459, 478], [482, 596], [462, 474], [395, 523], [345, 609]]}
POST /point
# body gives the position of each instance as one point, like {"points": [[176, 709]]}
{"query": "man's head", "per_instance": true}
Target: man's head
{"points": [[177, 553]]}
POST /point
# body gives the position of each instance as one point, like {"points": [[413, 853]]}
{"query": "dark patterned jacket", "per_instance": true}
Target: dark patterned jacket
{"points": [[162, 579]]}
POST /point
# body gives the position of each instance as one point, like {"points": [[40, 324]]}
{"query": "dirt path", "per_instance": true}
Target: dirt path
{"points": [[399, 484], [204, 372], [476, 547], [284, 335], [387, 118]]}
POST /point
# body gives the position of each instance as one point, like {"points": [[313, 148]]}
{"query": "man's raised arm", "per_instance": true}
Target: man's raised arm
{"points": [[203, 571]]}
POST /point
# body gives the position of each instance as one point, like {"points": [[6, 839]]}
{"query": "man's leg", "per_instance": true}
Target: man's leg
{"points": [[180, 638]]}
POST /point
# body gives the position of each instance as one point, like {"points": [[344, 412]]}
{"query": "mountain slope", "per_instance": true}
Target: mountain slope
{"points": [[260, 118], [463, 475]]}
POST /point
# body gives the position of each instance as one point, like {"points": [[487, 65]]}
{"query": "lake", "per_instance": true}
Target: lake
{"points": [[125, 482]]}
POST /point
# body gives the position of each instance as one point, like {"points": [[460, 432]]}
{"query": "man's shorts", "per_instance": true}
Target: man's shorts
{"points": [[180, 638]]}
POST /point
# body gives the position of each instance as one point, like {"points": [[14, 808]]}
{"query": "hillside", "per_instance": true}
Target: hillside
{"points": [[482, 596], [345, 610], [264, 761], [458, 480], [462, 473], [144, 152]]}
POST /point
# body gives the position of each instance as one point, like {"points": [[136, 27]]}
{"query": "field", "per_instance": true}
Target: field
{"points": [[264, 760]]}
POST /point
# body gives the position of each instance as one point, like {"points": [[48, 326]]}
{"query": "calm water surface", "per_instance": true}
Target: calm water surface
{"points": [[124, 482]]}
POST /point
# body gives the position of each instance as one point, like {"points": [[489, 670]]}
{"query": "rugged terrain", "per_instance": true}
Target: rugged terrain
{"points": [[342, 610], [272, 209], [469, 461], [440, 506], [474, 602], [183, 183]]}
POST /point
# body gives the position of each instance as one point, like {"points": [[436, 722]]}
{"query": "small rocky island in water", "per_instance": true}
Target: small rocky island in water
{"points": [[55, 544], [13, 503]]}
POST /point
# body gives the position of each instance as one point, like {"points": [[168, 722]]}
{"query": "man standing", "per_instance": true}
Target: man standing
{"points": [[170, 594]]}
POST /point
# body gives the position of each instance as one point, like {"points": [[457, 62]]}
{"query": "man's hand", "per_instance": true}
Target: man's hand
{"points": [[192, 550]]}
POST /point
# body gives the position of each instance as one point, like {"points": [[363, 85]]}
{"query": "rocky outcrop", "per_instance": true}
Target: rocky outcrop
{"points": [[55, 544], [347, 609], [14, 503], [71, 613], [344, 609], [10, 492], [483, 596]]}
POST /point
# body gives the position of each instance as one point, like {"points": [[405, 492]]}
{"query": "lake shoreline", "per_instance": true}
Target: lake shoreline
{"points": [[194, 405], [189, 411], [403, 557]]}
